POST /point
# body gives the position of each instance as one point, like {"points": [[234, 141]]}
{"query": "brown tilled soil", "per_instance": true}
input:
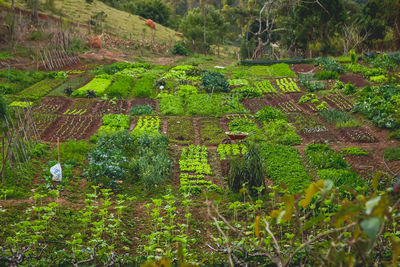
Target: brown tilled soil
{"points": [[143, 102], [65, 127], [355, 79], [55, 105], [304, 68]]}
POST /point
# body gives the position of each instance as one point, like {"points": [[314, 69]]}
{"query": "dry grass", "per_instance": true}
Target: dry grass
{"points": [[80, 11]]}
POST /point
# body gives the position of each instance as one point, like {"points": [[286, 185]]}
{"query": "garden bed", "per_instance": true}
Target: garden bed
{"points": [[72, 127], [181, 130], [358, 135], [54, 105], [211, 132], [355, 79], [338, 102]]}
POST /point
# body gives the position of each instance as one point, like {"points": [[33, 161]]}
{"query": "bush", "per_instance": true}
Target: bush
{"points": [[109, 161], [121, 86], [327, 75], [391, 153], [353, 57], [310, 83], [269, 113], [215, 82], [329, 64], [349, 89], [247, 170], [142, 110], [179, 49]]}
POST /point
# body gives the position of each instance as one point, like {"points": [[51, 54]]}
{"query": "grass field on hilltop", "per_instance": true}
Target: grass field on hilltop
{"points": [[80, 11]]}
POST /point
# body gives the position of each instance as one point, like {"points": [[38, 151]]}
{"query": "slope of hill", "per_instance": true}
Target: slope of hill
{"points": [[80, 11]]}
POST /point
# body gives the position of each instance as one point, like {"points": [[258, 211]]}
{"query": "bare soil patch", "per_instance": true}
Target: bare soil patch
{"points": [[356, 79], [304, 68]]}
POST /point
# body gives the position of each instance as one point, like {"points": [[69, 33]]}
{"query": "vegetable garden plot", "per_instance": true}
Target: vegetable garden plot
{"points": [[181, 130], [307, 124], [112, 106], [54, 105], [287, 85], [147, 124], [311, 129], [194, 167], [307, 106], [339, 102], [289, 106], [39, 89], [225, 151], [358, 135], [82, 106], [265, 87], [43, 121], [72, 127], [211, 132]]}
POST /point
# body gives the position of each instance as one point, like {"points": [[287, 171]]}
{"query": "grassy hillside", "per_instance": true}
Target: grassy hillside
{"points": [[80, 11]]}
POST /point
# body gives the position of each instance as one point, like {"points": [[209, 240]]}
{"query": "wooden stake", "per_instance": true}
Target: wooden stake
{"points": [[4, 162], [58, 148]]}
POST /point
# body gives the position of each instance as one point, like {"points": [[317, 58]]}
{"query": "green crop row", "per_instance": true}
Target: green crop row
{"points": [[287, 85], [40, 89], [98, 85], [227, 150]]}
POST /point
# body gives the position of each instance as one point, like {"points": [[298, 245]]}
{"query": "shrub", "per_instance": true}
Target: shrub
{"points": [[269, 113], [310, 83], [247, 170], [109, 161], [142, 110], [353, 57], [215, 82], [391, 153], [327, 75], [329, 64], [179, 49], [349, 89], [121, 86]]}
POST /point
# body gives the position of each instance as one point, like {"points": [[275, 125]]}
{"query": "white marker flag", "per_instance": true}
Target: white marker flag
{"points": [[56, 171]]}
